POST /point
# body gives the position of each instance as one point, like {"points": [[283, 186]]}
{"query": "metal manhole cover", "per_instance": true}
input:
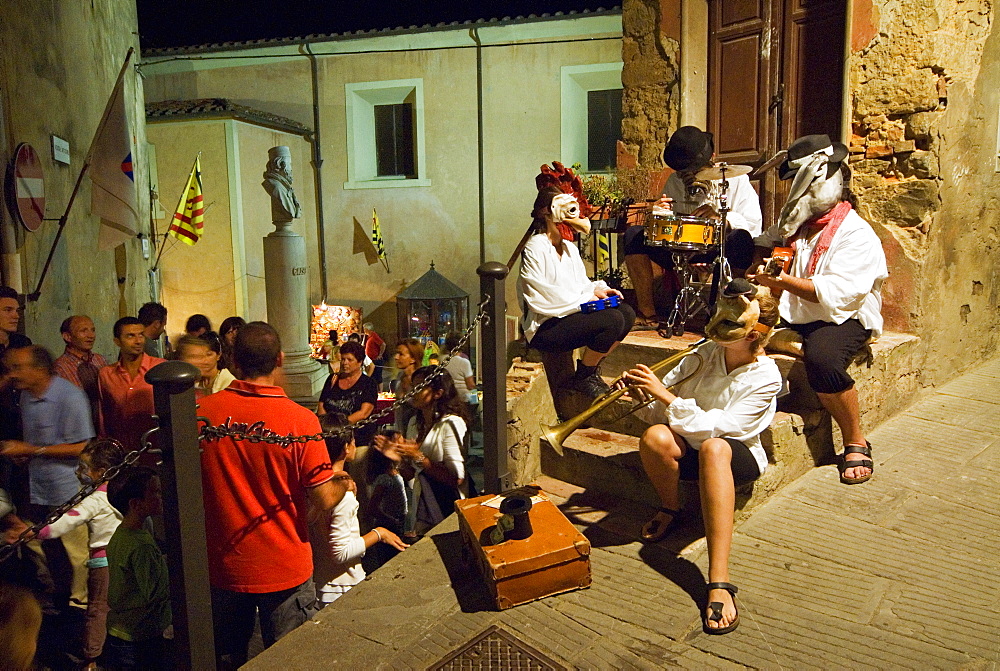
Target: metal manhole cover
{"points": [[497, 650]]}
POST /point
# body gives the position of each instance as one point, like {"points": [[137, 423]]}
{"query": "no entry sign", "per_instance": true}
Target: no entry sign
{"points": [[26, 187]]}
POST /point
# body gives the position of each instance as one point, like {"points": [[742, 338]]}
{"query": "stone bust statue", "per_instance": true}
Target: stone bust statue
{"points": [[278, 184]]}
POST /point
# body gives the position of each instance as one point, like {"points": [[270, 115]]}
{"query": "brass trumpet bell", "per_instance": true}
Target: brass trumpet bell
{"points": [[555, 435]]}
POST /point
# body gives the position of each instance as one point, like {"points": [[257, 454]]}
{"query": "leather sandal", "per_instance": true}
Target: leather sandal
{"points": [[716, 608], [645, 323], [655, 530], [866, 450]]}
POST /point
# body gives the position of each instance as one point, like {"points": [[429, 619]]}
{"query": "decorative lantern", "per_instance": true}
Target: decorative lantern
{"points": [[431, 307]]}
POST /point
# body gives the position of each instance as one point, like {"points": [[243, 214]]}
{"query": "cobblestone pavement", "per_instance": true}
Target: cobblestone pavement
{"points": [[897, 573]]}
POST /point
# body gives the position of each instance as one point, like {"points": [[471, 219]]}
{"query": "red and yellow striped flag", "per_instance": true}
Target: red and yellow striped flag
{"points": [[189, 218]]}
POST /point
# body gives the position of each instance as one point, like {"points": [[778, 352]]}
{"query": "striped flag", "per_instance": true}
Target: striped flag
{"points": [[189, 219], [113, 196], [377, 240], [603, 250]]}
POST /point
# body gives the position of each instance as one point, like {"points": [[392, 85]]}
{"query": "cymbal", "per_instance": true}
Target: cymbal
{"points": [[715, 172]]}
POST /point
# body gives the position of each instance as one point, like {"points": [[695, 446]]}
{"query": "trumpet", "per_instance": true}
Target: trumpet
{"points": [[555, 435]]}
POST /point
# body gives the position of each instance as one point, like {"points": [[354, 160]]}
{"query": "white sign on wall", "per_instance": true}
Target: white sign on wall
{"points": [[60, 150]]}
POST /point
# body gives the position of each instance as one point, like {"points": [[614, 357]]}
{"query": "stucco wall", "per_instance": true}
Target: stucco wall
{"points": [[924, 78], [58, 64], [440, 222]]}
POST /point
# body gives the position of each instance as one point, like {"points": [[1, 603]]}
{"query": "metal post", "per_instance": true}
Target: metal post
{"points": [[184, 514], [493, 336]]}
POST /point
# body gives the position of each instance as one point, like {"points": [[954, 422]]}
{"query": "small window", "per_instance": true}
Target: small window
{"points": [[394, 140], [604, 127]]}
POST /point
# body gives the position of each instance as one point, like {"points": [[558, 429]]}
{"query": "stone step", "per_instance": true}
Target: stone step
{"points": [[608, 462]]}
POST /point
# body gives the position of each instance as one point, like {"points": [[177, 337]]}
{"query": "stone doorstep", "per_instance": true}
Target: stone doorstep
{"points": [[605, 461]]}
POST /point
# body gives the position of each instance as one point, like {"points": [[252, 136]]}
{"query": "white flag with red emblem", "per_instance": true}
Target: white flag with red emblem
{"points": [[113, 196]]}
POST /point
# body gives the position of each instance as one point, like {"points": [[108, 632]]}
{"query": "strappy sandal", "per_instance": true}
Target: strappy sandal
{"points": [[655, 530], [716, 608], [866, 450], [645, 323]]}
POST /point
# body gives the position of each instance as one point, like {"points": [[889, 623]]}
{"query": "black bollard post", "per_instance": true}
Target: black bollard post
{"points": [[493, 357], [184, 514]]}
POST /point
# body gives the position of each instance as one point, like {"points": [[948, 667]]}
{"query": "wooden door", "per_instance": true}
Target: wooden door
{"points": [[775, 74]]}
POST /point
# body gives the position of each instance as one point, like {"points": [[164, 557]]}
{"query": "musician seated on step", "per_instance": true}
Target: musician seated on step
{"points": [[552, 286], [689, 151], [832, 290], [706, 419]]}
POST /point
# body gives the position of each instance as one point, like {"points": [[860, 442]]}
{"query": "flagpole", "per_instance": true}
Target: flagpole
{"points": [[163, 245], [36, 294]]}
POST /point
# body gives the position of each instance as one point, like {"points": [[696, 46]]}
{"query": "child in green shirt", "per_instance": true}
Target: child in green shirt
{"points": [[139, 589]]}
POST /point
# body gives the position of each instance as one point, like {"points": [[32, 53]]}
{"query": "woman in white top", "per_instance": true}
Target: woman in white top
{"points": [[203, 353], [339, 550], [707, 429], [552, 285], [433, 444]]}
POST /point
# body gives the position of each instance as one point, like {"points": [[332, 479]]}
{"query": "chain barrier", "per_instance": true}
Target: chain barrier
{"points": [[209, 432], [85, 491], [258, 433]]}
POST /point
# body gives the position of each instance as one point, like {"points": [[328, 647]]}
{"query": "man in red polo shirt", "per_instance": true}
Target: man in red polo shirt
{"points": [[126, 399], [256, 500]]}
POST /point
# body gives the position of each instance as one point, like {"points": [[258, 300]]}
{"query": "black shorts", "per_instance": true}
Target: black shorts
{"points": [[828, 349], [744, 466], [596, 330]]}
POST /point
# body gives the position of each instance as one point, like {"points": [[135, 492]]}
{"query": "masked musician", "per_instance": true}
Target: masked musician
{"points": [[553, 284], [688, 151], [831, 293], [706, 425]]}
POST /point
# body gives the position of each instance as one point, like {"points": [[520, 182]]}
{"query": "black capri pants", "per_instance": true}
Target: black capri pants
{"points": [[829, 349], [743, 464], [596, 330]]}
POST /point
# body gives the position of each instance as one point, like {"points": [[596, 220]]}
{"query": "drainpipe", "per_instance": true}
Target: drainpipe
{"points": [[474, 34], [317, 163], [10, 260]]}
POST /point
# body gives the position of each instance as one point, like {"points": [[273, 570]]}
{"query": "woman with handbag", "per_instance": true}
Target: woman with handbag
{"points": [[433, 445]]}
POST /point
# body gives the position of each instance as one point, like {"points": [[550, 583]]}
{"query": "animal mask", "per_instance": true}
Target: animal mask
{"points": [[736, 313], [566, 209], [812, 193]]}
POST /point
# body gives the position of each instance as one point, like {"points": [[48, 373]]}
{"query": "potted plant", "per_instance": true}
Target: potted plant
{"points": [[617, 200]]}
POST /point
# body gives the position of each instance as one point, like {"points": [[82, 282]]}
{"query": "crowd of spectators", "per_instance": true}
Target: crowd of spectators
{"points": [[287, 528]]}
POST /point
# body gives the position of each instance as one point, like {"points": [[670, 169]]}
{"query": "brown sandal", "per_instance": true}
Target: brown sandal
{"points": [[866, 450], [655, 530], [645, 323]]}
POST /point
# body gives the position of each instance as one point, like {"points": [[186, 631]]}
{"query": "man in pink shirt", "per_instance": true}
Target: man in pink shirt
{"points": [[126, 399], [79, 364]]}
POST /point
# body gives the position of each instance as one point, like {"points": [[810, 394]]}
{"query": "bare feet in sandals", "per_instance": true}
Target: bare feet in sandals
{"points": [[645, 323], [720, 620], [663, 522], [857, 465]]}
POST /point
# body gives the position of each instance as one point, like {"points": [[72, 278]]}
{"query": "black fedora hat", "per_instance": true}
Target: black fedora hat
{"points": [[689, 148], [810, 144]]}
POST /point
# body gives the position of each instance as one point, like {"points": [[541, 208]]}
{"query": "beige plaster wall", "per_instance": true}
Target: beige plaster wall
{"points": [[440, 222], [199, 278], [924, 78], [58, 64]]}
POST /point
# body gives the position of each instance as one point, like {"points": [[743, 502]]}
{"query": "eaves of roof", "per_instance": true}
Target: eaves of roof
{"points": [[383, 32], [220, 108]]}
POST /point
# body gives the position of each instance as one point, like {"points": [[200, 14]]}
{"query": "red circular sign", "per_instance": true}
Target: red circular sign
{"points": [[28, 187]]}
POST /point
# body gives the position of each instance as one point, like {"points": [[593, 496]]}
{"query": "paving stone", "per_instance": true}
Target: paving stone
{"points": [[961, 412]]}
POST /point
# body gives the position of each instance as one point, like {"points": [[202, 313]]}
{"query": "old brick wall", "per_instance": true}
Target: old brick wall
{"points": [[923, 77], [651, 78]]}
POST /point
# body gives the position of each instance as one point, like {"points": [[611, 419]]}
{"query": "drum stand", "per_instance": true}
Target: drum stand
{"points": [[694, 295]]}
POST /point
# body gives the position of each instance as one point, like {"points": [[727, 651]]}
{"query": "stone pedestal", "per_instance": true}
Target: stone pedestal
{"points": [[287, 286]]}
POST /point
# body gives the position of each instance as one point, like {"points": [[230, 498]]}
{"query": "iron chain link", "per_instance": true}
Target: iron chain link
{"points": [[85, 491], [210, 432]]}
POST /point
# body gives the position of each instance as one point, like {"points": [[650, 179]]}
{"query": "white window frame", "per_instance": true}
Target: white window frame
{"points": [[576, 82], [362, 97]]}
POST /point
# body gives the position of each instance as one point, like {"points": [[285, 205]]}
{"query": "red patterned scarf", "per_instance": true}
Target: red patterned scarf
{"points": [[829, 222]]}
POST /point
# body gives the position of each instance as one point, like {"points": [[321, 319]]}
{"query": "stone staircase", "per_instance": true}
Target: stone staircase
{"points": [[605, 457]]}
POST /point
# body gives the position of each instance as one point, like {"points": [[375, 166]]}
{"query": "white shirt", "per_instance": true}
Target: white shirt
{"points": [[848, 277], [460, 368], [744, 203], [551, 284], [96, 512], [717, 404], [441, 445], [347, 547]]}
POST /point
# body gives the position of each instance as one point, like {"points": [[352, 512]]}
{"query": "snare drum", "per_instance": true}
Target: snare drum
{"points": [[681, 232]]}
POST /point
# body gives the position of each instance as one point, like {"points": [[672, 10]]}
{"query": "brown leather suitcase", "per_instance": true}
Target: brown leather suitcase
{"points": [[554, 559]]}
